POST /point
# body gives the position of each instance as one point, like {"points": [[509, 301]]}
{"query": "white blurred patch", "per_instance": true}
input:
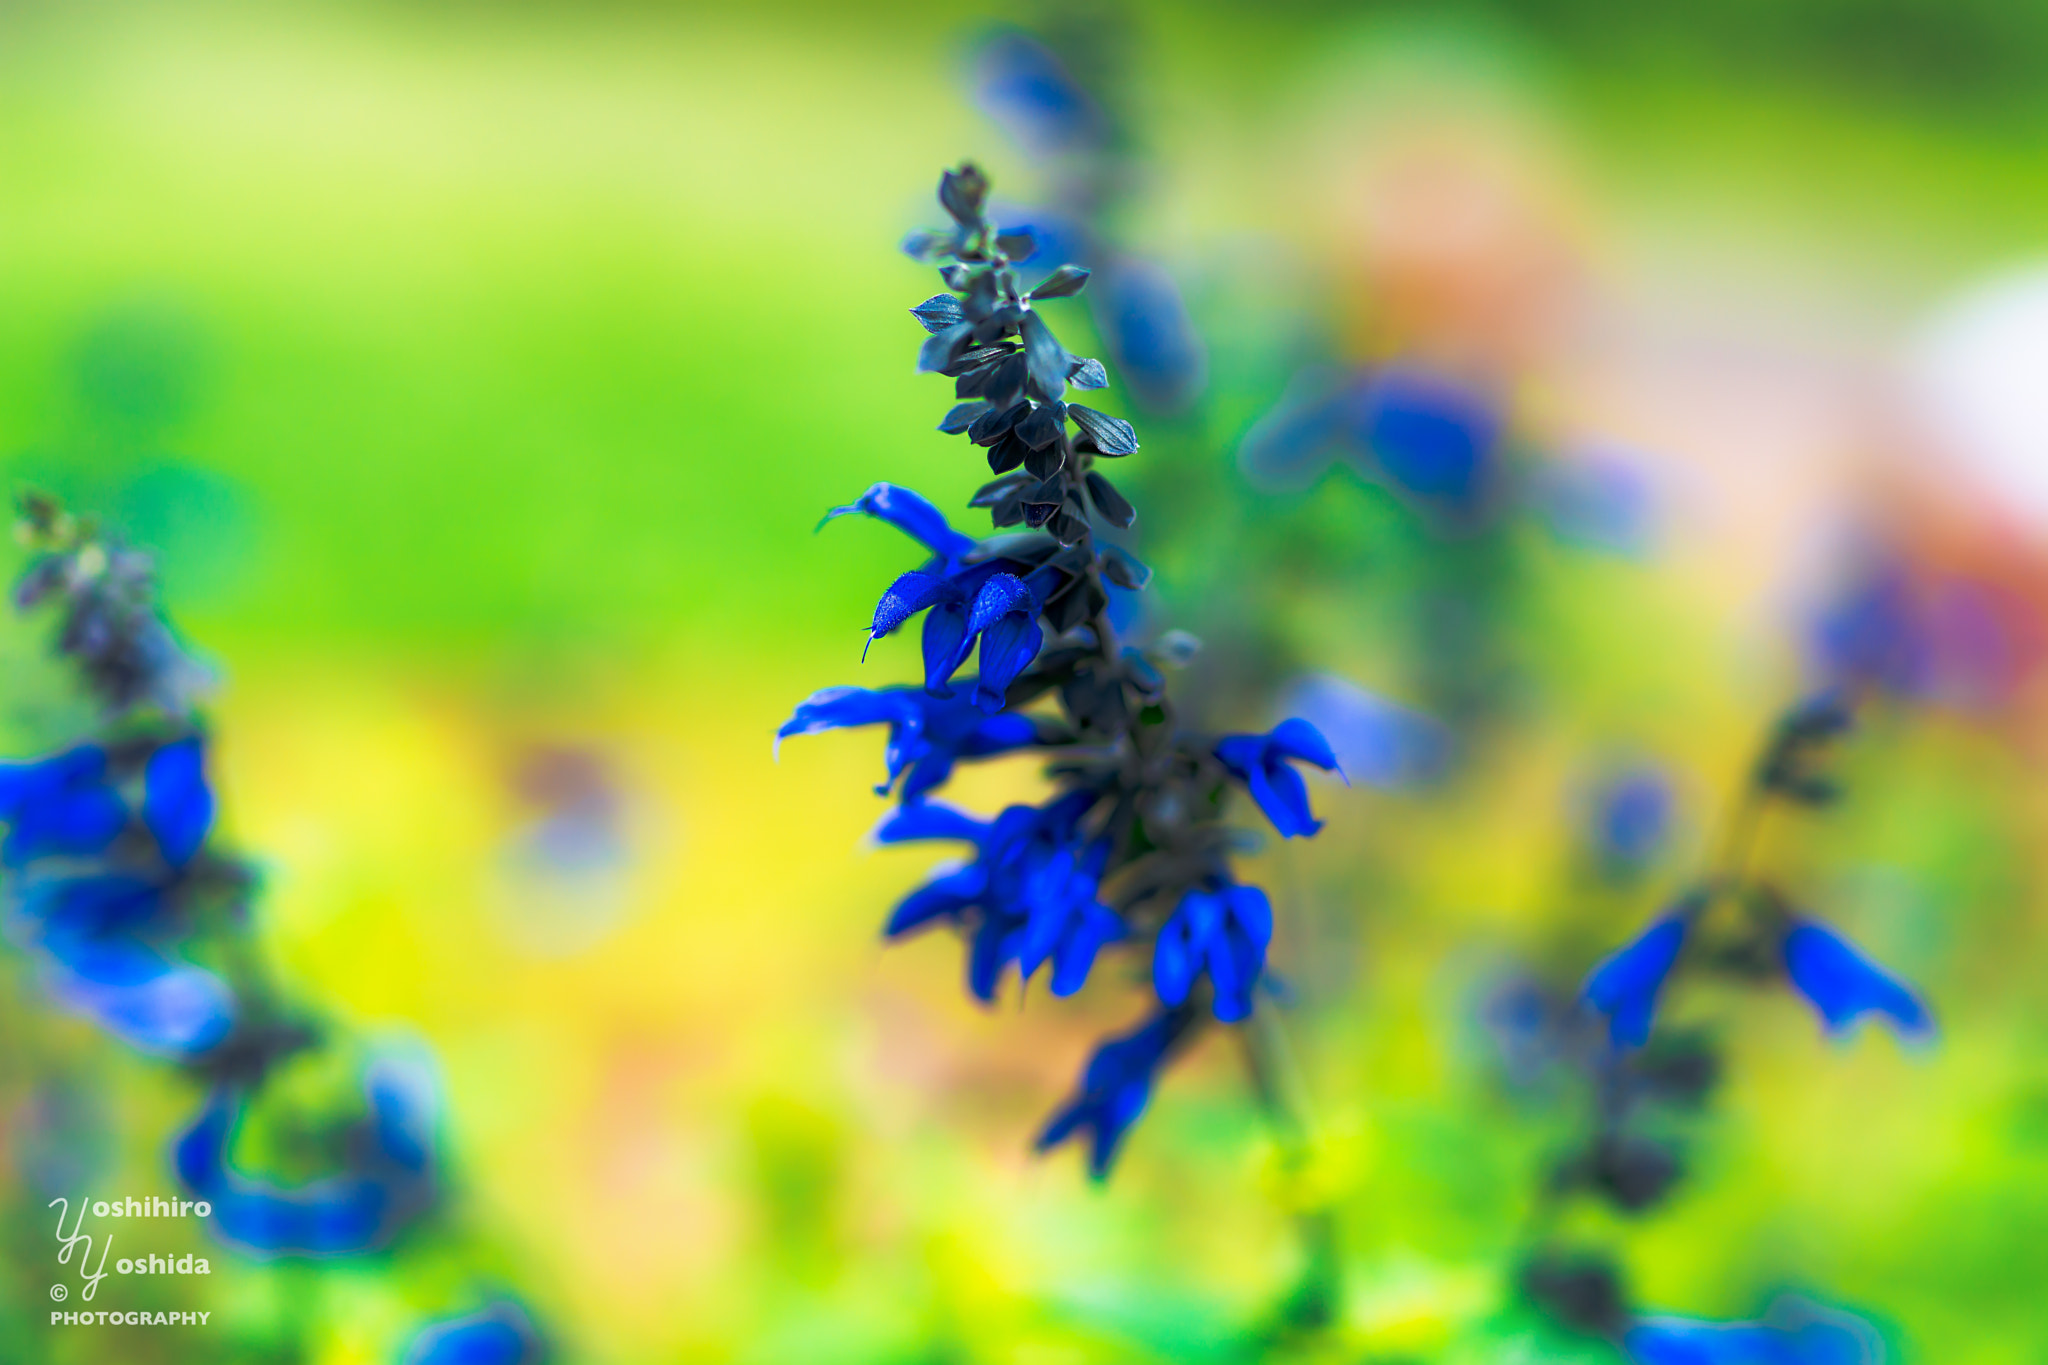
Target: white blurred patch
{"points": [[1978, 380]]}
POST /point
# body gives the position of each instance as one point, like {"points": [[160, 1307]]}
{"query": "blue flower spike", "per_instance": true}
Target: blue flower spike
{"points": [[1625, 987], [1261, 763], [1115, 1089], [1844, 985]]}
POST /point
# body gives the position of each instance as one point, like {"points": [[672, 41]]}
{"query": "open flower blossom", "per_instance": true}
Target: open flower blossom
{"points": [[927, 734], [1844, 985], [1030, 895], [1115, 1089], [1625, 987], [1261, 762]]}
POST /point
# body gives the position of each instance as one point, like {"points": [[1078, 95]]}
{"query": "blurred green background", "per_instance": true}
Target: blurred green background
{"points": [[479, 371]]}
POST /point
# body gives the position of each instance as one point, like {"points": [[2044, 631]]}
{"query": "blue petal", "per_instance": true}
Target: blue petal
{"points": [[1283, 796], [1075, 958], [910, 594], [179, 1010], [1626, 985], [946, 642], [1174, 961], [1845, 985], [75, 909], [24, 782], [1683, 1341], [1297, 739], [929, 820], [941, 898], [1007, 649], [177, 805], [912, 515], [1253, 911], [999, 734], [1003, 594]]}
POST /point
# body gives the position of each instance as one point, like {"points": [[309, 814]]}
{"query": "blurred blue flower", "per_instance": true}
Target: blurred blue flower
{"points": [[357, 1209], [1261, 763], [927, 734], [1844, 985], [1874, 633], [1375, 741], [1115, 1088], [498, 1335], [1631, 817], [1794, 1332], [1144, 322], [1222, 931], [61, 805], [1422, 433], [1030, 895], [1432, 437], [1626, 985], [1023, 87], [93, 932]]}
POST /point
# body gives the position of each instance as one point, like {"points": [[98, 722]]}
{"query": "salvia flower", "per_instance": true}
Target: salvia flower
{"points": [[499, 1335], [60, 805], [1128, 852], [1844, 985], [1115, 1089], [927, 734], [355, 1209], [1030, 896], [1222, 932], [1261, 763], [1625, 987]]}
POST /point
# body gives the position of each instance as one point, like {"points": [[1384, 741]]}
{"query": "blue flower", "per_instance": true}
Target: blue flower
{"points": [[353, 1210], [1794, 1332], [1138, 310], [61, 805], [1029, 897], [177, 805], [1023, 87], [1222, 931], [1431, 437], [499, 1335], [1260, 762], [1375, 740], [912, 515], [963, 601], [1115, 1088], [927, 734], [1844, 985], [1626, 985], [93, 933], [1632, 817], [1422, 433]]}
